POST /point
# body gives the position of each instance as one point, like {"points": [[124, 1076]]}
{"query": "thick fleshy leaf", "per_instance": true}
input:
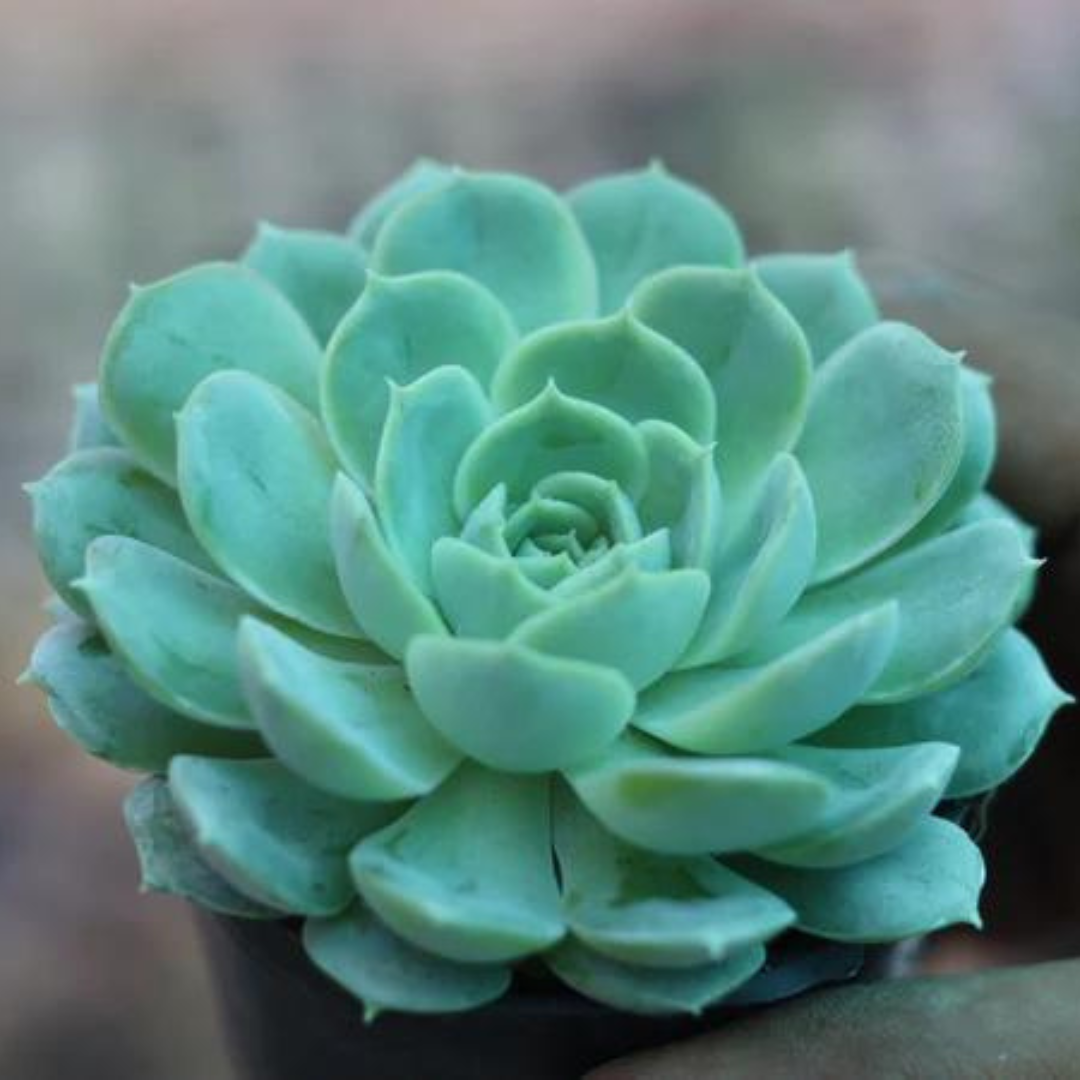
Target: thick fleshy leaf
{"points": [[467, 873], [604, 625], [640, 222], [680, 805], [603, 499], [553, 433], [388, 975], [760, 566], [401, 329], [996, 716], [169, 861], [654, 910], [513, 708], [255, 476], [429, 426], [617, 362], [956, 592], [651, 554], [89, 428], [353, 730], [422, 176], [753, 353], [776, 700], [172, 334], [103, 492], [509, 233], [649, 990], [930, 881], [879, 796], [883, 439], [683, 493], [826, 294], [270, 834], [482, 595], [320, 272], [383, 598], [94, 701]]}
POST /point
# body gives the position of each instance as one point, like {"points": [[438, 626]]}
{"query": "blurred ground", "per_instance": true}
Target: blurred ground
{"points": [[136, 138]]}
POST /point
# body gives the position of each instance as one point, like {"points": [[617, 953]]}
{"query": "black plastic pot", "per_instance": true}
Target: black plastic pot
{"points": [[286, 1021]]}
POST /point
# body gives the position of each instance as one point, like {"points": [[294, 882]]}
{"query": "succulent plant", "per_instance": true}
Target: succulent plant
{"points": [[523, 576]]}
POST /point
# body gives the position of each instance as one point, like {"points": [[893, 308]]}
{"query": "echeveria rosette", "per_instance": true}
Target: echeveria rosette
{"points": [[528, 576]]}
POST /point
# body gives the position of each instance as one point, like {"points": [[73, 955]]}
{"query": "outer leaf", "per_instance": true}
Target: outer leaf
{"points": [[956, 593], [467, 873], [383, 598], [172, 334], [932, 880], [826, 294], [255, 476], [320, 272], [93, 700], [509, 233], [400, 329], [697, 806], [654, 911], [422, 176], [89, 428], [882, 441], [996, 715], [353, 730], [428, 428], [358, 952], [603, 625], [638, 223], [751, 350], [269, 834], [103, 492], [652, 990], [169, 861], [513, 708], [778, 699], [616, 362]]}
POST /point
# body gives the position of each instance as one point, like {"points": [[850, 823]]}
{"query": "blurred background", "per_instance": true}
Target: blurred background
{"points": [[940, 136]]}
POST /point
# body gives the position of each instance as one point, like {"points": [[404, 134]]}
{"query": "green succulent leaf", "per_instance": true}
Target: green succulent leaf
{"points": [[617, 362], [464, 882], [271, 835], [681, 805], [930, 881], [753, 353], [94, 701], [169, 861], [399, 330], [879, 796], [255, 475], [655, 911], [883, 439], [89, 428], [359, 953], [603, 499], [103, 492], [771, 699], [553, 433], [650, 990], [641, 222], [350, 729], [174, 333], [513, 708], [603, 625], [957, 593], [995, 715], [760, 567], [422, 176], [383, 598], [651, 554], [509, 233], [429, 426], [826, 294]]}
